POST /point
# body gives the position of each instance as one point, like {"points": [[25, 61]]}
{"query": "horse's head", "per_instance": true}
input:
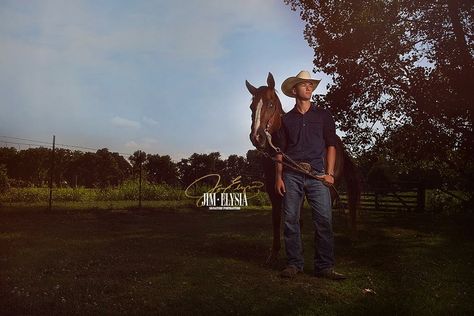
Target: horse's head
{"points": [[266, 112]]}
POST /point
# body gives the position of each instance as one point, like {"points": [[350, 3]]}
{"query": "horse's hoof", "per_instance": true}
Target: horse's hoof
{"points": [[272, 258]]}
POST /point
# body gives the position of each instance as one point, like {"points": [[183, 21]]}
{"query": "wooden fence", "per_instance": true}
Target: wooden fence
{"points": [[397, 197]]}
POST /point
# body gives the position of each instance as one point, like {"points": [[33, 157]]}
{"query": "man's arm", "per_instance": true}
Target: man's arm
{"points": [[330, 162], [330, 139], [279, 185]]}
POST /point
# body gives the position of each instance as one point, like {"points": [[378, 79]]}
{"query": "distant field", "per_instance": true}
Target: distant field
{"points": [[183, 260], [127, 191], [126, 195], [162, 195]]}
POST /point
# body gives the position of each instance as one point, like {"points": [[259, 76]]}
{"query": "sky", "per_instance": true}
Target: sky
{"points": [[165, 77]]}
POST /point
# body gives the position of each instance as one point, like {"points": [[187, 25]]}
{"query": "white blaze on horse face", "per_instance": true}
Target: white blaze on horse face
{"points": [[256, 122]]}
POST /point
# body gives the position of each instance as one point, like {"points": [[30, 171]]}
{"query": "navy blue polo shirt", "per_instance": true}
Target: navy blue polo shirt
{"points": [[304, 137]]}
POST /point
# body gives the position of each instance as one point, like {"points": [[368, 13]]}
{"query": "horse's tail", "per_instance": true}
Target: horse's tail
{"points": [[354, 188]]}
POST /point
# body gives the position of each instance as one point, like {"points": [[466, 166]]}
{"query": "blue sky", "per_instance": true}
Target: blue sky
{"points": [[166, 77]]}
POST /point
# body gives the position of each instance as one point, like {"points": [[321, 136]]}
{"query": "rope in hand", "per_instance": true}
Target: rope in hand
{"points": [[294, 165]]}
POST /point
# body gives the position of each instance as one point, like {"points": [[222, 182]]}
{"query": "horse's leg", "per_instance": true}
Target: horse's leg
{"points": [[345, 168], [353, 184], [276, 222]]}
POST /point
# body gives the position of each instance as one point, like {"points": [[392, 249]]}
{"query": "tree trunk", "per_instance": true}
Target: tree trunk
{"points": [[465, 57]]}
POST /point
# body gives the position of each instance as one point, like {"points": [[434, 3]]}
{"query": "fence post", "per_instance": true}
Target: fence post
{"points": [[420, 197], [140, 180], [51, 176], [376, 197]]}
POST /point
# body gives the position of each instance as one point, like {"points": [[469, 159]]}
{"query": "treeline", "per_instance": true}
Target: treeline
{"points": [[32, 167], [378, 167]]}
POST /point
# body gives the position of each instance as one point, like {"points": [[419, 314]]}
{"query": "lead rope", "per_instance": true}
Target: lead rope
{"points": [[295, 166]]}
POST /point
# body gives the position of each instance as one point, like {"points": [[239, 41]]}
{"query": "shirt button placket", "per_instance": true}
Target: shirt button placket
{"points": [[304, 136]]}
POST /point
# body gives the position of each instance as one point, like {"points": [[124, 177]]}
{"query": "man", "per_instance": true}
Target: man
{"points": [[308, 137]]}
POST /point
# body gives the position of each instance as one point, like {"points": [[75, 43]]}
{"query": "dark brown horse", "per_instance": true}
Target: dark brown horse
{"points": [[266, 117]]}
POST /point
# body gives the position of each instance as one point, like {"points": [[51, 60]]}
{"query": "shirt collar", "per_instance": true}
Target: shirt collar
{"points": [[313, 108]]}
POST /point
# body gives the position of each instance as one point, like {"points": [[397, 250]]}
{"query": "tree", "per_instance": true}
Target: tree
{"points": [[108, 171], [199, 165], [402, 69], [434, 171], [62, 160], [8, 158], [124, 167], [4, 184], [100, 169], [185, 172], [161, 169], [83, 170], [254, 166], [381, 174], [33, 165], [234, 167], [137, 160]]}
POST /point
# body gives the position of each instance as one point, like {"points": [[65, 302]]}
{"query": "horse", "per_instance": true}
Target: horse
{"points": [[266, 120]]}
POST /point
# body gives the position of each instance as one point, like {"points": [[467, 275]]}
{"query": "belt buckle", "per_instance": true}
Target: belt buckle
{"points": [[306, 166]]}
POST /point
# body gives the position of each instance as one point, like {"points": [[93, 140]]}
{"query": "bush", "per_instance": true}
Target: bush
{"points": [[4, 184], [128, 191], [26, 195], [440, 202], [258, 199], [74, 194]]}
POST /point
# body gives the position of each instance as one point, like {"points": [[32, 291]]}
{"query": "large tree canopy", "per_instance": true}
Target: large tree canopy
{"points": [[402, 72], [161, 169]]}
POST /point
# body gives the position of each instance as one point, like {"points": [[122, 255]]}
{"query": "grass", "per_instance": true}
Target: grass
{"points": [[125, 195], [182, 260], [129, 190]]}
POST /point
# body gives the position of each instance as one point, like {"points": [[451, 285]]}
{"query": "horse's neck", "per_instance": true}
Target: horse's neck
{"points": [[276, 119]]}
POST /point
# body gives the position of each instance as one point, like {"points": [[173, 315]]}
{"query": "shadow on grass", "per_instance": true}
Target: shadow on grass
{"points": [[195, 261]]}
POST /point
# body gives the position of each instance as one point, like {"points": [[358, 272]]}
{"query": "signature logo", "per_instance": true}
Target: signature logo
{"points": [[232, 196]]}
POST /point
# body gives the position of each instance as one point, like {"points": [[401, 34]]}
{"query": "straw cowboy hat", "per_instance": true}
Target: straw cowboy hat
{"points": [[288, 85]]}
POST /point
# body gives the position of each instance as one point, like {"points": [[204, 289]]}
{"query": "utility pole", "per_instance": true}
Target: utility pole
{"points": [[140, 180], [51, 176]]}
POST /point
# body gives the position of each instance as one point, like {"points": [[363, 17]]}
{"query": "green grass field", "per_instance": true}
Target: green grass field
{"points": [[175, 259]]}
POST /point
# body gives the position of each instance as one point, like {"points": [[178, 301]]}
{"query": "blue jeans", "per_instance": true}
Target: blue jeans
{"points": [[319, 198]]}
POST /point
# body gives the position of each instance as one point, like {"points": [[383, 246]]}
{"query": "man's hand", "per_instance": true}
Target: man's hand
{"points": [[280, 186], [328, 179]]}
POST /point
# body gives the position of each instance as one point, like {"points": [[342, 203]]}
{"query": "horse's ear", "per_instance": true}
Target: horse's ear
{"points": [[270, 81], [251, 88]]}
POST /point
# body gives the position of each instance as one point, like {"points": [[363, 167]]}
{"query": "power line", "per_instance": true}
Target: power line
{"points": [[28, 140], [17, 143], [37, 142]]}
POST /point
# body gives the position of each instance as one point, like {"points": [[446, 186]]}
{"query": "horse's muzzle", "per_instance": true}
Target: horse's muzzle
{"points": [[259, 140]]}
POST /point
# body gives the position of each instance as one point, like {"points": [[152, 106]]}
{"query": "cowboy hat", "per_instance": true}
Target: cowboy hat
{"points": [[288, 85]]}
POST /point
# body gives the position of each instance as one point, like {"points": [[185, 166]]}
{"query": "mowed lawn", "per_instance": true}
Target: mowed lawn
{"points": [[193, 261]]}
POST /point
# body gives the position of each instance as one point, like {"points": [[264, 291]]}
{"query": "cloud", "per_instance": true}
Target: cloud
{"points": [[131, 144], [88, 35], [149, 120], [51, 49], [142, 144], [76, 62], [122, 122]]}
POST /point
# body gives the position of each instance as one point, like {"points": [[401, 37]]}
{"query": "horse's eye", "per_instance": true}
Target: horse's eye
{"points": [[270, 104]]}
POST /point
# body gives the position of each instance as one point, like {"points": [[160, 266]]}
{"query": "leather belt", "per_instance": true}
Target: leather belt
{"points": [[305, 166]]}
